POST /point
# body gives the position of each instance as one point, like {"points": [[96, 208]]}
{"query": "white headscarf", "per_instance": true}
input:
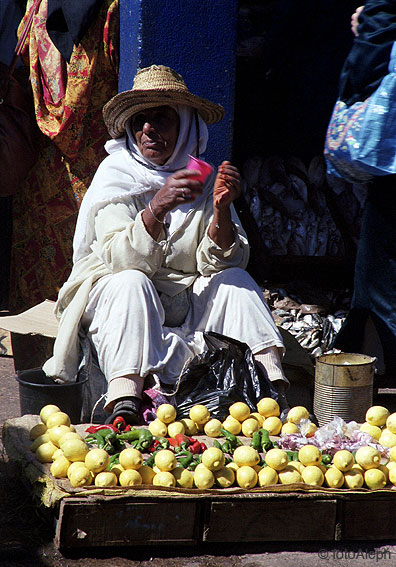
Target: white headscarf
{"points": [[125, 172]]}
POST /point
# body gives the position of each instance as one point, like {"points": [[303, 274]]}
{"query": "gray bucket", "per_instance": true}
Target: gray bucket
{"points": [[36, 390], [343, 387]]}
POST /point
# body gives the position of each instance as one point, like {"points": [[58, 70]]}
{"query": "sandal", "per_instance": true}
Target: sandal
{"points": [[128, 408]]}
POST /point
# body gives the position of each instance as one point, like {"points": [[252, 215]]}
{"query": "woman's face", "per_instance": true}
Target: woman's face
{"points": [[156, 131]]}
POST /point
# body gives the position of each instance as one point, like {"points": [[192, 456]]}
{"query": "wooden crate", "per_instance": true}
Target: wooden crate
{"points": [[107, 521]]}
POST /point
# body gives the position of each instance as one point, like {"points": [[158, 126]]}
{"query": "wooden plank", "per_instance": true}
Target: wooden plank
{"points": [[369, 519], [126, 522], [272, 519]]}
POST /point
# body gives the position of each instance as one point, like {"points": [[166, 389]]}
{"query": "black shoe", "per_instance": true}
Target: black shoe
{"points": [[128, 408]]}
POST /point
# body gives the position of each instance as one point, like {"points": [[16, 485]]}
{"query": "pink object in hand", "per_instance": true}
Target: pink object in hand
{"points": [[202, 166]]}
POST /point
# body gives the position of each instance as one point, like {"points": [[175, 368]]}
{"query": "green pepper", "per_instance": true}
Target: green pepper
{"points": [[326, 459], [232, 439], [293, 455], [143, 437], [256, 441], [197, 459], [265, 441], [185, 458]]}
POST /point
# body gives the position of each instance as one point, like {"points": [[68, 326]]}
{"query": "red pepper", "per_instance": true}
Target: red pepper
{"points": [[203, 447], [120, 423], [128, 428], [96, 428], [154, 446], [195, 448], [179, 439]]}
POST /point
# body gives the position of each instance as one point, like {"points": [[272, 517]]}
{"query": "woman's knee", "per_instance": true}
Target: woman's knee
{"points": [[129, 280], [235, 277]]}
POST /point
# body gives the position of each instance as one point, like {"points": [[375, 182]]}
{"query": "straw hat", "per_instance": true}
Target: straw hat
{"points": [[155, 86]]}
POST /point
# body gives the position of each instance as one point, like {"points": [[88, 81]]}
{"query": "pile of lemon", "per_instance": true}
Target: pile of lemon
{"points": [[381, 425]]}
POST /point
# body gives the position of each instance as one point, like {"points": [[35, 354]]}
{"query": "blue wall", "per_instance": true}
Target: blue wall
{"points": [[197, 39]]}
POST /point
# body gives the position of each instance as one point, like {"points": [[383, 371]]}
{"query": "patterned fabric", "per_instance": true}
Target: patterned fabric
{"points": [[69, 98], [360, 141]]}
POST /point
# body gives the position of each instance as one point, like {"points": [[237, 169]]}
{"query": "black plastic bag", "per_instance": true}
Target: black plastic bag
{"points": [[224, 374]]}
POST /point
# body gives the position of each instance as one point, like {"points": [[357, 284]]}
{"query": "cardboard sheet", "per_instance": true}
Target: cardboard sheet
{"points": [[39, 320]]}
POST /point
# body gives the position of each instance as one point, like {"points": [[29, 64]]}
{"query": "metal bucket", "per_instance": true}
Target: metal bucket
{"points": [[343, 387]]}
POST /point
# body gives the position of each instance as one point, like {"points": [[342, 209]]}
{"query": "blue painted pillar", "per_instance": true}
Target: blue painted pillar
{"points": [[197, 38]]}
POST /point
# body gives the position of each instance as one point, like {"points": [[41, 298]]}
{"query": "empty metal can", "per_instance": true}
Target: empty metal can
{"points": [[343, 386]]}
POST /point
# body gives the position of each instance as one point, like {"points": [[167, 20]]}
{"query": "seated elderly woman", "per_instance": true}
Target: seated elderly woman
{"points": [[159, 256]]}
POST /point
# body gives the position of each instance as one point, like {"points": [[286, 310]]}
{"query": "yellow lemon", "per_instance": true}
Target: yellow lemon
{"points": [[372, 430], [58, 453], [106, 478], [225, 477], [97, 460], [239, 410], [289, 475], [312, 475], [59, 467], [232, 465], [309, 429], [37, 430], [80, 476], [374, 479], [267, 476], [70, 435], [246, 477], [377, 415], [353, 479], [55, 433], [131, 458], [165, 460], [297, 413], [184, 478], [203, 477], [147, 474], [273, 425], [130, 477], [166, 413], [289, 428], [392, 475], [190, 426], [246, 456], [74, 449], [45, 451], [391, 422], [212, 428], [367, 457], [250, 426], [276, 458], [46, 411], [387, 438], [309, 455], [57, 418], [176, 428], [385, 470], [232, 425], [199, 414], [343, 460], [259, 417], [44, 438], [334, 478], [74, 466], [392, 454], [117, 469], [158, 428], [268, 407], [213, 459], [297, 465], [164, 478]]}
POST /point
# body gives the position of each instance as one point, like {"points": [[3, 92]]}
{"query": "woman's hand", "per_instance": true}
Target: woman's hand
{"points": [[355, 20], [227, 186], [177, 189], [226, 189]]}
